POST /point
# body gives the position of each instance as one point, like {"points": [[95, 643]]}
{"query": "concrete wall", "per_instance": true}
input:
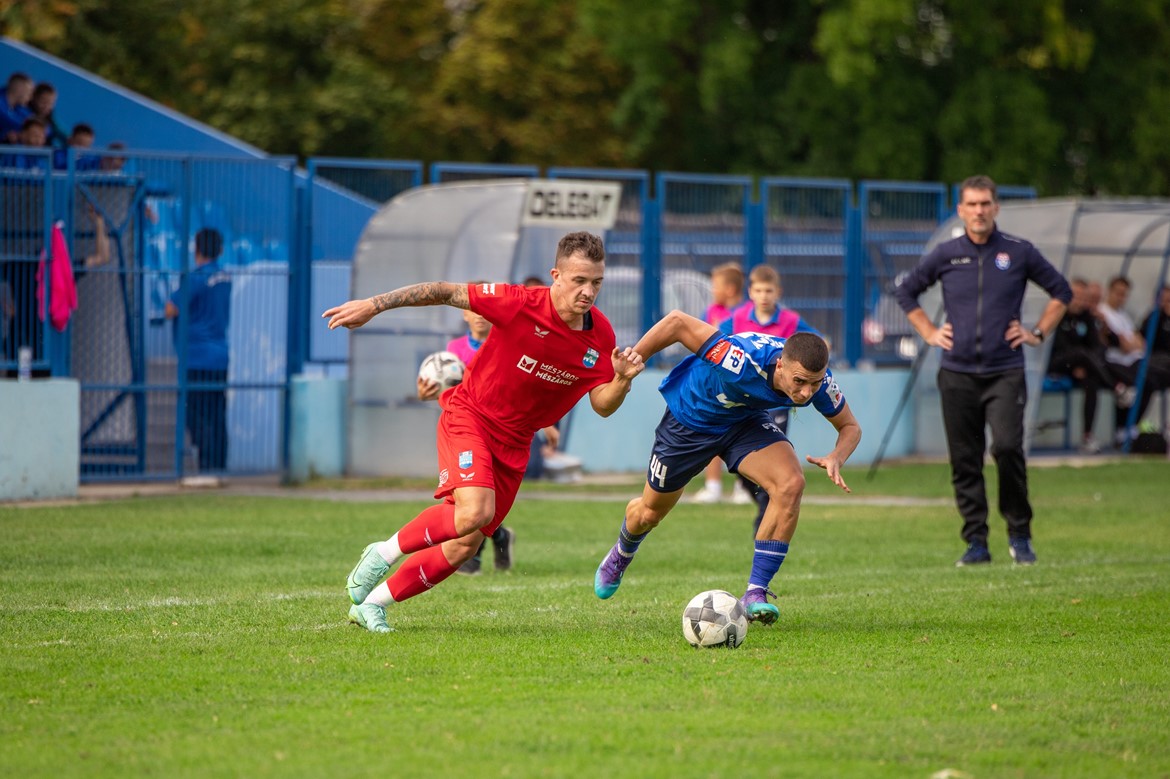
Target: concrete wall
{"points": [[316, 428], [39, 431]]}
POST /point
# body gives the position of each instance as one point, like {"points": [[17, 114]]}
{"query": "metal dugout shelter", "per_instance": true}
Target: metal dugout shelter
{"points": [[499, 230], [1095, 239]]}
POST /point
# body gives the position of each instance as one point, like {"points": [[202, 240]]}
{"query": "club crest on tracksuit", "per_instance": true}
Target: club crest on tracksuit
{"points": [[1003, 261], [590, 358]]}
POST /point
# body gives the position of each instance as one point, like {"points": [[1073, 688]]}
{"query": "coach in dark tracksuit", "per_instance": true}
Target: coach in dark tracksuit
{"points": [[981, 380]]}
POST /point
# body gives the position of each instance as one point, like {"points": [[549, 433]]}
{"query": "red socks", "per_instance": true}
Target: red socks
{"points": [[419, 572], [430, 528]]}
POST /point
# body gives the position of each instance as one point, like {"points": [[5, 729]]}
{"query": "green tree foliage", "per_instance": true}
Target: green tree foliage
{"points": [[1070, 97], [522, 82]]}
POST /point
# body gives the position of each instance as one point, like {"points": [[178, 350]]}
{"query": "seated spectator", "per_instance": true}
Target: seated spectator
{"points": [[1078, 353], [1124, 351], [14, 107], [32, 133], [113, 163], [80, 138], [42, 103], [1160, 343]]}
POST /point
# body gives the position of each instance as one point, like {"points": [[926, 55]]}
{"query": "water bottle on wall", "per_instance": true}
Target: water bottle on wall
{"points": [[24, 363]]}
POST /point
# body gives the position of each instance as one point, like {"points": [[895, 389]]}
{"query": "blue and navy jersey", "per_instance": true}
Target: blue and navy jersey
{"points": [[711, 390]]}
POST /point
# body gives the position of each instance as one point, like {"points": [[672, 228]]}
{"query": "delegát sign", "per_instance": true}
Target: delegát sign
{"points": [[571, 203]]}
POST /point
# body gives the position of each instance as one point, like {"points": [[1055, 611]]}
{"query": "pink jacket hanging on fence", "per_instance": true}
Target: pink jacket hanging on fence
{"points": [[63, 297]]}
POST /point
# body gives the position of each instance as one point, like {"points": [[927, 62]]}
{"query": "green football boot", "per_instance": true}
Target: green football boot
{"points": [[371, 616], [369, 572]]}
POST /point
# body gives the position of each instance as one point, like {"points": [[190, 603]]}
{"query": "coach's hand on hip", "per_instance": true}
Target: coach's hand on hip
{"points": [[1016, 335]]}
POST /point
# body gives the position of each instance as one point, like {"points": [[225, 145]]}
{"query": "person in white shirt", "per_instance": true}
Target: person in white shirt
{"points": [[1124, 351]]}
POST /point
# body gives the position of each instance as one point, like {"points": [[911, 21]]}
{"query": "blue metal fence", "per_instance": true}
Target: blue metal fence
{"points": [[130, 219]]}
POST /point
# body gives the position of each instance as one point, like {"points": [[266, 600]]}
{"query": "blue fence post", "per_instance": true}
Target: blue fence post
{"points": [[652, 255], [184, 305], [854, 282], [753, 250]]}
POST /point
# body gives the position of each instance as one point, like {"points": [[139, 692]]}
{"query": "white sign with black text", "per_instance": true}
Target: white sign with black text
{"points": [[571, 203]]}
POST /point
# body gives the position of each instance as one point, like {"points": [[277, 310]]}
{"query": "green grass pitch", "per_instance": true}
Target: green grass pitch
{"points": [[205, 636]]}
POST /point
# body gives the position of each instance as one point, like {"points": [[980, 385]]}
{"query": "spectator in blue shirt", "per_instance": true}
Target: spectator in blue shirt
{"points": [[206, 294], [42, 103], [14, 107], [32, 133], [80, 138]]}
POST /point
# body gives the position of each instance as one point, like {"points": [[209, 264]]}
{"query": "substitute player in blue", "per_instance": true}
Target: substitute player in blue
{"points": [[717, 404]]}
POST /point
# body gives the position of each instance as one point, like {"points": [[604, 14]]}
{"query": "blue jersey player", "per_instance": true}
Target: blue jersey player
{"points": [[717, 404]]}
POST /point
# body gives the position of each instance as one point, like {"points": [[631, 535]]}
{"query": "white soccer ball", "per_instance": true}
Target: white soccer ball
{"points": [[443, 368], [714, 618]]}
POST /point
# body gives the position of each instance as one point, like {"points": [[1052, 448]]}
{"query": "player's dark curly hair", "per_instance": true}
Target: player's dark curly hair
{"points": [[586, 243], [808, 349]]}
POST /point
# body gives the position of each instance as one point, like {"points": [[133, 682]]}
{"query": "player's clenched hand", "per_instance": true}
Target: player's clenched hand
{"points": [[351, 314], [626, 362], [832, 469]]}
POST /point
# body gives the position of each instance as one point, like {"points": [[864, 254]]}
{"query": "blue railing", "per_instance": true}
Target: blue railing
{"points": [[290, 235]]}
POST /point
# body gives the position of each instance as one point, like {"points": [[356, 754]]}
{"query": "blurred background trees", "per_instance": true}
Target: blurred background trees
{"points": [[1071, 97]]}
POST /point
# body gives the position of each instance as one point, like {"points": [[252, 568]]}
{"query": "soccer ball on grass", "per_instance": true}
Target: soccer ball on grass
{"points": [[443, 368], [714, 618]]}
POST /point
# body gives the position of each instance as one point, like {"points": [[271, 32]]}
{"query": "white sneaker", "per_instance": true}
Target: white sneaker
{"points": [[707, 496], [1089, 446], [739, 494]]}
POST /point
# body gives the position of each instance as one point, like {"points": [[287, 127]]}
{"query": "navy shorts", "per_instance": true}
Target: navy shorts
{"points": [[680, 453]]}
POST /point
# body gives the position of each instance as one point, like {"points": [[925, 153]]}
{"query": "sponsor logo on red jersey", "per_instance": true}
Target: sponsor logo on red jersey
{"points": [[487, 289]]}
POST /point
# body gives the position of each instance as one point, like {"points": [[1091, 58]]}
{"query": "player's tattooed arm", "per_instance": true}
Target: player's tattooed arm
{"points": [[356, 313], [428, 293]]}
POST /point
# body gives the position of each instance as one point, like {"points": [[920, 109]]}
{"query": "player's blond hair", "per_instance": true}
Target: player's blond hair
{"points": [[729, 272], [765, 274]]}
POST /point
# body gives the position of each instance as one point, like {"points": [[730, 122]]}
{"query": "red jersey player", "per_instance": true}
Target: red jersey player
{"points": [[549, 347]]}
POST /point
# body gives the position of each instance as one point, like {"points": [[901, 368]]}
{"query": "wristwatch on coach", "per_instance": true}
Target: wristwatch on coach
{"points": [[1036, 331]]}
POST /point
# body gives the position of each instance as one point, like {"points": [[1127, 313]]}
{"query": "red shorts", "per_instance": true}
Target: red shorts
{"points": [[470, 457]]}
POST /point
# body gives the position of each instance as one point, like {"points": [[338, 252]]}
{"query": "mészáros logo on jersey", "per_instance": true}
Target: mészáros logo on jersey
{"points": [[526, 364]]}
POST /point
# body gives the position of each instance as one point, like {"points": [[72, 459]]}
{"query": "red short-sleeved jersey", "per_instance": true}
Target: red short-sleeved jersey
{"points": [[533, 369]]}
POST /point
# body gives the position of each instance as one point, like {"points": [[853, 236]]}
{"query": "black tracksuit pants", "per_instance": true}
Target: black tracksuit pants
{"points": [[971, 403]]}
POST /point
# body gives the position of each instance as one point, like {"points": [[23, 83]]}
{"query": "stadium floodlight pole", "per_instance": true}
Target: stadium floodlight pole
{"points": [[915, 369]]}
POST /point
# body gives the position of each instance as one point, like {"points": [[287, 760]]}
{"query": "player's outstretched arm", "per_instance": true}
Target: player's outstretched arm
{"points": [[355, 313], [848, 437], [608, 398], [674, 328]]}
